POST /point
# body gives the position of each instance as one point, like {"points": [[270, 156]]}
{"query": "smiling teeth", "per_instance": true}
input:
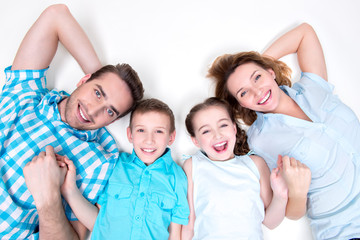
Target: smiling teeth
{"points": [[220, 144], [148, 150], [265, 98], [82, 115]]}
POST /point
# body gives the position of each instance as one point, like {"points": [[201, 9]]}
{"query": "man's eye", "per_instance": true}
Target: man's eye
{"points": [[97, 93], [110, 112]]}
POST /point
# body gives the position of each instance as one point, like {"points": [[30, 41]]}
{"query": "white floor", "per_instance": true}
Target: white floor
{"points": [[172, 43]]}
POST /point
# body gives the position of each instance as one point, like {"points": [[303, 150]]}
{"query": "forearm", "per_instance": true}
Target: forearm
{"points": [[275, 212], [296, 207], [287, 43], [187, 232], [53, 223], [85, 211]]}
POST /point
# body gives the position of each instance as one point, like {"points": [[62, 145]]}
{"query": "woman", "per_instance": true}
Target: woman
{"points": [[306, 121]]}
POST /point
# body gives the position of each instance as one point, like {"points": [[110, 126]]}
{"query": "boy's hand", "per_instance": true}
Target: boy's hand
{"points": [[296, 175], [69, 184]]}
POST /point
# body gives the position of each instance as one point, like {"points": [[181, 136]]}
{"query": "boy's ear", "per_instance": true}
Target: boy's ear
{"points": [[172, 138], [83, 80], [129, 134], [195, 142]]}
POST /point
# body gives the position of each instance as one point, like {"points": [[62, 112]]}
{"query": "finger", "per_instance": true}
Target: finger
{"points": [[70, 164], [42, 154], [34, 159], [61, 163], [279, 162], [50, 151], [286, 162], [293, 162], [59, 157]]}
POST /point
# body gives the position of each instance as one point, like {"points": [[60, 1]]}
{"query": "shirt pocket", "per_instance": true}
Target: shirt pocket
{"points": [[160, 208], [334, 106], [119, 199]]}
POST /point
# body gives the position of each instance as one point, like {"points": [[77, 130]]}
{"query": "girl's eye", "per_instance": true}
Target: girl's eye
{"points": [[110, 112], [97, 93], [206, 131], [242, 94], [223, 125]]}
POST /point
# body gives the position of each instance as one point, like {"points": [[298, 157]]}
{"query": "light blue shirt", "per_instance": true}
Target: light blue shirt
{"points": [[329, 146], [29, 121], [140, 201]]}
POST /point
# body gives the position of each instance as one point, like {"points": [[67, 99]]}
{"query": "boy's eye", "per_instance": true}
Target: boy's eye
{"points": [[97, 93], [159, 131], [110, 112], [140, 130]]}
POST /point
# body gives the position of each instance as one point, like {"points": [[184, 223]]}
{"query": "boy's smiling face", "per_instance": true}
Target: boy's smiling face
{"points": [[150, 135]]}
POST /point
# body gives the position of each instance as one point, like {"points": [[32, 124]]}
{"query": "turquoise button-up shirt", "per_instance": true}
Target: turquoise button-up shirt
{"points": [[140, 201]]}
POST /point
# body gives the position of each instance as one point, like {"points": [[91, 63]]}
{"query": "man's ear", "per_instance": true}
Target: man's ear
{"points": [[172, 138], [83, 80], [129, 134], [195, 141]]}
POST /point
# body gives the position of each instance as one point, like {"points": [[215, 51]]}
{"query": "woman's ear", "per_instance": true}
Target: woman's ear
{"points": [[272, 73]]}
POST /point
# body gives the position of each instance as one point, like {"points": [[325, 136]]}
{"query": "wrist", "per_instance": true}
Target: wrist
{"points": [[49, 199]]}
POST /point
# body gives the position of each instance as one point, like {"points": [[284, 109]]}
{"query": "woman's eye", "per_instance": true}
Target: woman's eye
{"points": [[110, 112], [257, 77]]}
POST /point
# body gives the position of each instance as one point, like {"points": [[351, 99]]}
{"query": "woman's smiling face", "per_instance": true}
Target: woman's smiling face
{"points": [[254, 88]]}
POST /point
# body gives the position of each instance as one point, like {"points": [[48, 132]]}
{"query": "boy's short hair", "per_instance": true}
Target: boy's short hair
{"points": [[154, 105]]}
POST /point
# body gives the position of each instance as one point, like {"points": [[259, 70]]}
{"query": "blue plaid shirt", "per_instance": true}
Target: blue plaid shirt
{"points": [[29, 121]]}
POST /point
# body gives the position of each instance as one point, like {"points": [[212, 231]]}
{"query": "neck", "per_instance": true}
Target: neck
{"points": [[62, 107], [289, 107]]}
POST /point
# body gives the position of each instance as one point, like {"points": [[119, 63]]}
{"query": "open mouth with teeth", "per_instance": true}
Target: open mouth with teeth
{"points": [[220, 147], [82, 115], [148, 150], [265, 98]]}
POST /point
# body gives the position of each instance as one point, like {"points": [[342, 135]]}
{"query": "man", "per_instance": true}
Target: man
{"points": [[36, 124]]}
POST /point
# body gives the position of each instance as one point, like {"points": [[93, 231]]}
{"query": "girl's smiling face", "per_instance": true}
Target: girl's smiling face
{"points": [[215, 133], [254, 88]]}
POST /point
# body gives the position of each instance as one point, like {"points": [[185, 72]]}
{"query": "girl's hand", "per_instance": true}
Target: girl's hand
{"points": [[278, 183]]}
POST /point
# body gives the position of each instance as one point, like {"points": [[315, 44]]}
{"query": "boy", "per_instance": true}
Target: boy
{"points": [[146, 194]]}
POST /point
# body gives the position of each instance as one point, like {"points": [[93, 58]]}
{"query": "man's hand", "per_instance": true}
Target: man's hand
{"points": [[44, 177]]}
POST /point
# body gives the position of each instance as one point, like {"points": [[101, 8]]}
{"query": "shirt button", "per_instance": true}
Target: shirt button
{"points": [[137, 218], [147, 172], [116, 196], [142, 194]]}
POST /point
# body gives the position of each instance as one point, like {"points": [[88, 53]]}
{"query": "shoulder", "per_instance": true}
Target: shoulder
{"points": [[260, 163], [187, 166]]}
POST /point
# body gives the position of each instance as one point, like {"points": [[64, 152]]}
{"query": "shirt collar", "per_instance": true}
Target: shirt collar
{"points": [[51, 100], [165, 159]]}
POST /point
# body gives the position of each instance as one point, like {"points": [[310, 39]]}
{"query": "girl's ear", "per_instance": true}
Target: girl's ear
{"points": [[129, 134], [83, 80], [172, 138], [235, 127], [195, 141]]}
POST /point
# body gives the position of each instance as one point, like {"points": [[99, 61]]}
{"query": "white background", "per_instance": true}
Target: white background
{"points": [[172, 43]]}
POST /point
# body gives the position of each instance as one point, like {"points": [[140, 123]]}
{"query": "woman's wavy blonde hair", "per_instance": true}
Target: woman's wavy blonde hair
{"points": [[225, 65]]}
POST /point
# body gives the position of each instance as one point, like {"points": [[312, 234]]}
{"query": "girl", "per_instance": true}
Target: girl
{"points": [[227, 189], [306, 121]]}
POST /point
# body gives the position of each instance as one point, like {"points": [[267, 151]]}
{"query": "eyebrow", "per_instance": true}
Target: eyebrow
{"points": [[249, 78], [105, 96], [220, 120]]}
